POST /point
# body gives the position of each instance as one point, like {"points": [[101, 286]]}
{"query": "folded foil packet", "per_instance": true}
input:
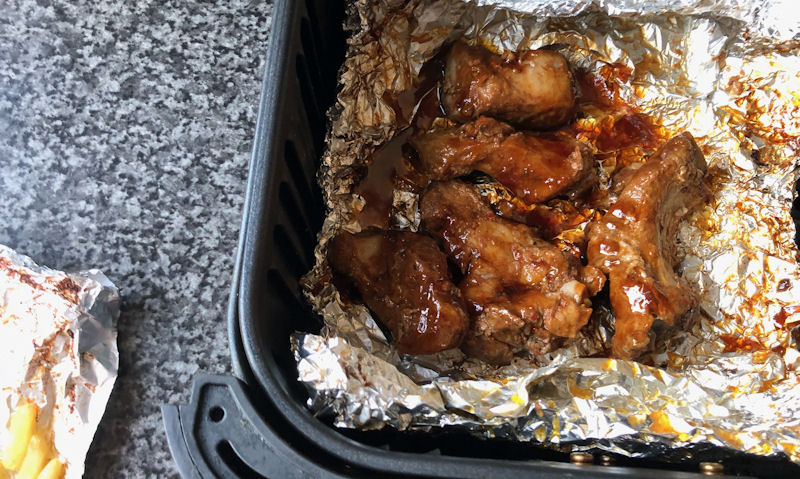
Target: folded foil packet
{"points": [[58, 340], [728, 73]]}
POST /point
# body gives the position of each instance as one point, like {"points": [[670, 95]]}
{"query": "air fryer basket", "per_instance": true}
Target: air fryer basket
{"points": [[258, 425]]}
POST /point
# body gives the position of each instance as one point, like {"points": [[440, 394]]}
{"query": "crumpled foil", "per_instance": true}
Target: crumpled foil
{"points": [[727, 72], [58, 339]]}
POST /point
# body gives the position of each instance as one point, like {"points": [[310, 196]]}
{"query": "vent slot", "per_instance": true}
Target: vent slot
{"points": [[279, 287], [290, 305], [289, 252], [309, 196], [297, 218], [235, 463], [310, 48], [313, 111]]}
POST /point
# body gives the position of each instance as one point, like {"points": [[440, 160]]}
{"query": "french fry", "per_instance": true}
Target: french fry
{"points": [[3, 473], [39, 453], [53, 470], [20, 425]]}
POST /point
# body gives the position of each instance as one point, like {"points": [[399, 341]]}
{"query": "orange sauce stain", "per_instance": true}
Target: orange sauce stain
{"points": [[661, 424], [729, 437], [735, 343], [675, 361], [577, 391], [784, 314], [789, 448], [636, 420], [780, 318]]}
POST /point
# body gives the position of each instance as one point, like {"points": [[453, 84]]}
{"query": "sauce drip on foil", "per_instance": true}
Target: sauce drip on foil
{"points": [[740, 343], [391, 166], [784, 314], [613, 126]]}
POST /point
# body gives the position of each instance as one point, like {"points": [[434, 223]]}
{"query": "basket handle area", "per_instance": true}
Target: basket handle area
{"points": [[219, 434]]}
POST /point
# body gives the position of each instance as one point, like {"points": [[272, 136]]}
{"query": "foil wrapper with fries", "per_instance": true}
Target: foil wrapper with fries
{"points": [[59, 344], [728, 73]]}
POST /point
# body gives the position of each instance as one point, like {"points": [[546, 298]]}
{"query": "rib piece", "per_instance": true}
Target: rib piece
{"points": [[531, 88], [535, 167], [403, 278], [634, 242], [520, 290]]}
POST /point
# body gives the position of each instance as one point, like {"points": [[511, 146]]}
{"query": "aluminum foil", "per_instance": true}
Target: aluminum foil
{"points": [[727, 72], [58, 339]]}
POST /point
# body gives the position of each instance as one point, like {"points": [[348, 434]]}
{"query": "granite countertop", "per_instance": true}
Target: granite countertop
{"points": [[126, 135]]}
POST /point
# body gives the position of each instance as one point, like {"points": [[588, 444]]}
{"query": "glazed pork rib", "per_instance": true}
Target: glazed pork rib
{"points": [[403, 278], [634, 243], [520, 290], [530, 88], [535, 167]]}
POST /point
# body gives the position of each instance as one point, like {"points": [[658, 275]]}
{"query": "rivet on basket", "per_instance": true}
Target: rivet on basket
{"points": [[606, 460], [711, 468], [581, 458]]}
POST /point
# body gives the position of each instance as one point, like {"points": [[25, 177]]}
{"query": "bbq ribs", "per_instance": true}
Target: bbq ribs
{"points": [[530, 88], [520, 290], [535, 167], [634, 242], [402, 277]]}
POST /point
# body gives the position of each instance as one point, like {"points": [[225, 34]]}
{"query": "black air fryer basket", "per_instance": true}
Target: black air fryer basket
{"points": [[257, 425]]}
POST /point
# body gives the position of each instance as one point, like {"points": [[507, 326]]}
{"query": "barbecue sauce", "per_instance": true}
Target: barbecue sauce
{"points": [[608, 122], [391, 166]]}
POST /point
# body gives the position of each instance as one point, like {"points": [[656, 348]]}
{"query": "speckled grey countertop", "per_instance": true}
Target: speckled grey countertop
{"points": [[125, 135]]}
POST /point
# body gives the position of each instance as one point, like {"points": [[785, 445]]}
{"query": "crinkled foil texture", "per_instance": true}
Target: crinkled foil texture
{"points": [[725, 71], [58, 339]]}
